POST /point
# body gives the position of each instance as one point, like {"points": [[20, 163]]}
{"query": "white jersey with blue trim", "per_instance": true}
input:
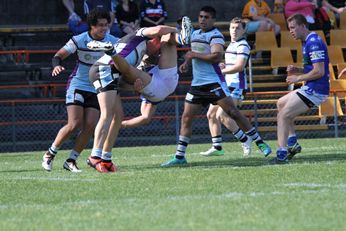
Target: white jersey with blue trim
{"points": [[235, 50], [204, 72], [79, 79]]}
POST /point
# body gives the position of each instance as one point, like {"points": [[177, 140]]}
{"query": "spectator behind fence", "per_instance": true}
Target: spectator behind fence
{"points": [[127, 15], [315, 15], [336, 6], [77, 24], [257, 12], [279, 6], [304, 7], [153, 13]]}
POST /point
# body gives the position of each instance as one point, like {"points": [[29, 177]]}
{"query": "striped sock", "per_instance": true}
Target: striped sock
{"points": [[53, 150], [240, 135], [182, 145], [217, 142]]}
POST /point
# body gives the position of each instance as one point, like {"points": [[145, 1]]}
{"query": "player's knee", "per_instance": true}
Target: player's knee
{"points": [[280, 104], [74, 125], [186, 118], [233, 112], [211, 115]]}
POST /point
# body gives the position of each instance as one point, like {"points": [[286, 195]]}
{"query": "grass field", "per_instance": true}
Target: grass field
{"points": [[211, 193]]}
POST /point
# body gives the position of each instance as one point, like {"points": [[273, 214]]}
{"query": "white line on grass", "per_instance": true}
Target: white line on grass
{"points": [[52, 179], [45, 206], [315, 185]]}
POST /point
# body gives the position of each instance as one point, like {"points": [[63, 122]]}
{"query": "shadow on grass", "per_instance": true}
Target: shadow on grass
{"points": [[212, 162]]}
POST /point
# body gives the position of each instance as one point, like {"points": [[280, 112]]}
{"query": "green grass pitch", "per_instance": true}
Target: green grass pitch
{"points": [[211, 193]]}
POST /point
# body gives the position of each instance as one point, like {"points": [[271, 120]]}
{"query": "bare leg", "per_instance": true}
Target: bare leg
{"points": [[108, 108], [289, 106], [231, 110], [91, 116], [115, 125], [75, 116], [214, 123]]}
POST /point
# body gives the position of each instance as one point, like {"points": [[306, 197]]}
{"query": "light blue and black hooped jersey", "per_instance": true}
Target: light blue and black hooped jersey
{"points": [[79, 79], [204, 72]]}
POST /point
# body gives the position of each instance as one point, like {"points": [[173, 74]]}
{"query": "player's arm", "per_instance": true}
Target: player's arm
{"points": [[147, 113], [237, 67], [316, 73], [57, 59], [215, 55]]}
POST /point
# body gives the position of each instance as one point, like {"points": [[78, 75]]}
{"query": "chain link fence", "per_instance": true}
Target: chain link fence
{"points": [[30, 125]]}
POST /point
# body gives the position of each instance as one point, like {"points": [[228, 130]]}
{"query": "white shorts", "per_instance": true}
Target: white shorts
{"points": [[163, 83], [312, 96]]}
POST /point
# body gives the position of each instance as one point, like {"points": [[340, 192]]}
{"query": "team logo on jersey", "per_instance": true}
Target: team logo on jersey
{"points": [[87, 57], [317, 55]]}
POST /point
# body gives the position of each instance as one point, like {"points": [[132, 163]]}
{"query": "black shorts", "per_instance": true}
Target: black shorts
{"points": [[110, 77], [82, 98], [206, 94]]}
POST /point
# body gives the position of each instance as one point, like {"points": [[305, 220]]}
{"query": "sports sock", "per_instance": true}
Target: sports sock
{"points": [[53, 150], [254, 136], [217, 142], [73, 155], [107, 156], [182, 145], [292, 140], [240, 135], [96, 153]]}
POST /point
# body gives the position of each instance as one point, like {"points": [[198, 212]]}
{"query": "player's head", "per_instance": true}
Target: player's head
{"points": [[98, 22], [236, 28], [153, 47], [298, 26], [206, 18]]}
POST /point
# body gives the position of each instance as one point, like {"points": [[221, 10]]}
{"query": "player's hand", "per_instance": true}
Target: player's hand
{"points": [[183, 68], [189, 55], [292, 69], [57, 70], [138, 85], [292, 79], [222, 65]]}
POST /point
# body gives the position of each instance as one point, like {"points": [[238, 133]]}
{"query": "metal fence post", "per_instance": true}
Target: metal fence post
{"points": [[177, 120], [13, 115], [336, 130]]}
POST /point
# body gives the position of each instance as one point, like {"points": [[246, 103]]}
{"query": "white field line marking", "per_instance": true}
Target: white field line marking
{"points": [[45, 206], [232, 195], [315, 185], [52, 179]]}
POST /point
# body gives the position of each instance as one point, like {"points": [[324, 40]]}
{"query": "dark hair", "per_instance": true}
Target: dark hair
{"points": [[97, 14], [209, 9], [238, 20], [299, 19]]}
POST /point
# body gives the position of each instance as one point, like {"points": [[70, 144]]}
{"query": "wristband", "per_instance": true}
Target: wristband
{"points": [[56, 61]]}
